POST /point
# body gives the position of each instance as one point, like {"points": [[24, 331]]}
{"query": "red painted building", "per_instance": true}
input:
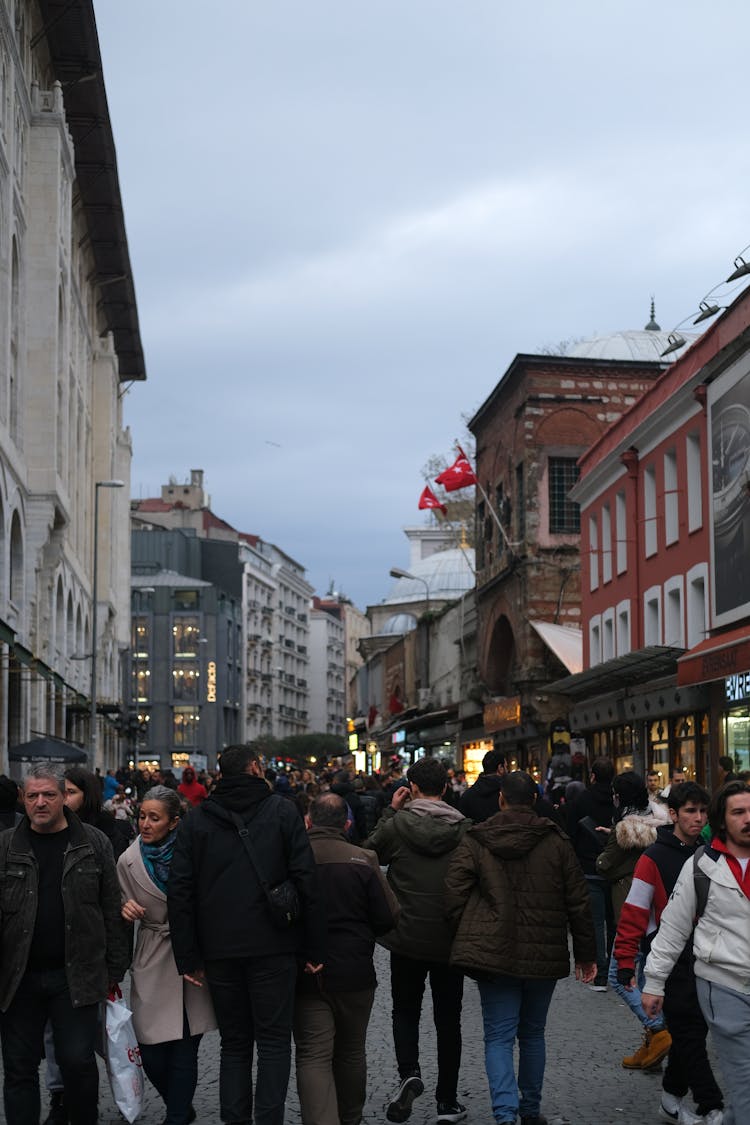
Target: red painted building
{"points": [[664, 496]]}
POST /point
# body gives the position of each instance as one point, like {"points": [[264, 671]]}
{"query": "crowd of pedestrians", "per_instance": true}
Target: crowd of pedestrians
{"points": [[251, 902]]}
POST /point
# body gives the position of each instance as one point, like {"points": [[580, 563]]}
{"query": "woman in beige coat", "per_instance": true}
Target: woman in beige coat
{"points": [[169, 1013]]}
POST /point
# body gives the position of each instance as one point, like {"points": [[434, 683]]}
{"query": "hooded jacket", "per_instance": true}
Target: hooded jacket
{"points": [[513, 888], [625, 845], [216, 903], [482, 799], [417, 843]]}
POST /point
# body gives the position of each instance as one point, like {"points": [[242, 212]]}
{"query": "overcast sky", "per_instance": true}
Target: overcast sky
{"points": [[345, 219]]}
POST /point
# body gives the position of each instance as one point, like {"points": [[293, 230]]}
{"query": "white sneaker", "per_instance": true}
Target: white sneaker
{"points": [[713, 1117], [669, 1109], [688, 1117]]}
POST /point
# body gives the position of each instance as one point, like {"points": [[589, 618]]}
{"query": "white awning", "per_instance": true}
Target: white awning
{"points": [[565, 641]]}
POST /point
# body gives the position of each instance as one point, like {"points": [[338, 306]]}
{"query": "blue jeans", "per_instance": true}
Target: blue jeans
{"points": [[633, 997], [513, 1007], [254, 1003]]}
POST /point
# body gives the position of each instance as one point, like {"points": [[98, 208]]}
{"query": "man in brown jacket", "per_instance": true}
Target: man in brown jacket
{"points": [[513, 888]]}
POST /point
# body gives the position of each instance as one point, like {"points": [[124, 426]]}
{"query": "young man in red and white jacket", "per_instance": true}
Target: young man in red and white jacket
{"points": [[654, 879]]}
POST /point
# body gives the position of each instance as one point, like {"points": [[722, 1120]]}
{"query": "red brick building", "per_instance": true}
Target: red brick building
{"points": [[665, 533], [530, 433]]}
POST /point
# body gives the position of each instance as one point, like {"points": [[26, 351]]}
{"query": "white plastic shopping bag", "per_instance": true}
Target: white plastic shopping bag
{"points": [[123, 1058]]}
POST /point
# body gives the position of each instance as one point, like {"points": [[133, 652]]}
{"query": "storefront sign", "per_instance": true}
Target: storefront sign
{"points": [[501, 714], [211, 682], [717, 661], [737, 687]]}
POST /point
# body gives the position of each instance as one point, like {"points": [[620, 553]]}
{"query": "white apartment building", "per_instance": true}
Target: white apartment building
{"points": [[327, 667], [69, 340]]}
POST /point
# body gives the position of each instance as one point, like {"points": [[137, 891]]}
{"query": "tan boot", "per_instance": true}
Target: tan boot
{"points": [[635, 1061], [659, 1046]]}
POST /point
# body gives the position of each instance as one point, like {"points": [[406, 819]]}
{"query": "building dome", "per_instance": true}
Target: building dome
{"points": [[399, 624], [446, 575], [645, 345]]}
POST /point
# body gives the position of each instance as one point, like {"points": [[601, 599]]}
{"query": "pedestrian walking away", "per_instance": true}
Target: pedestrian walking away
{"points": [[415, 838], [231, 852], [513, 889], [332, 1006]]}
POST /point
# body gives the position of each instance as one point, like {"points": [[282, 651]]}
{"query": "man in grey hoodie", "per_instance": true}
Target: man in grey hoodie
{"points": [[415, 839]]}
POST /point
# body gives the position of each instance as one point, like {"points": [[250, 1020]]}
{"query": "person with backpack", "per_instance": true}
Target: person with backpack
{"points": [[711, 901], [655, 875]]}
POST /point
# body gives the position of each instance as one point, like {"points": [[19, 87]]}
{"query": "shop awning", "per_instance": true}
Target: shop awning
{"points": [[717, 657], [637, 667], [564, 641]]}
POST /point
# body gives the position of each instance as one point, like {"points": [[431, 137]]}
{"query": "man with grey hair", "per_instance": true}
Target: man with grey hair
{"points": [[63, 946], [332, 1008]]}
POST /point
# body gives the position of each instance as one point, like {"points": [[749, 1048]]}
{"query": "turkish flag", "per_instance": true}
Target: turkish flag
{"points": [[459, 475], [428, 499]]}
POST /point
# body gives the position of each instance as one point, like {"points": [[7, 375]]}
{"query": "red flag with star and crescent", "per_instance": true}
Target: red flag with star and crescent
{"points": [[458, 475], [428, 499]]}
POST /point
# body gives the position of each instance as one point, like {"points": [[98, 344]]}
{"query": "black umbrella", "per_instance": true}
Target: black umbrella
{"points": [[47, 750]]}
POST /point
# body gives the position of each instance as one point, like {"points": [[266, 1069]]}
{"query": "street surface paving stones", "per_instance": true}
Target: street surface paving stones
{"points": [[587, 1035]]}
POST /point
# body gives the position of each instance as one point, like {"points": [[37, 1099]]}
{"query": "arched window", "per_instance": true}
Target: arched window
{"points": [[15, 370], [60, 618]]}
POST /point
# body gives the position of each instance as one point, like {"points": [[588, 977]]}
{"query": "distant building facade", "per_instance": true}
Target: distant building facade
{"points": [[327, 667]]}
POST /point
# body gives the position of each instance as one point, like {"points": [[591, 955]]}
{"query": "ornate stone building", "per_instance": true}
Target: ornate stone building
{"points": [[69, 340]]}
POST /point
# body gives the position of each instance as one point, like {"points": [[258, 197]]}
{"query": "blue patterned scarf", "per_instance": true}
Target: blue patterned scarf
{"points": [[157, 858]]}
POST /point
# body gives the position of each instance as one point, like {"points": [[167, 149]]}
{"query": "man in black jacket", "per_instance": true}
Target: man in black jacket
{"points": [[223, 929], [63, 945], [482, 799], [332, 1008]]}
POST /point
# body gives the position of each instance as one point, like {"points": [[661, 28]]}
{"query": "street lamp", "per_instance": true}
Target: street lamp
{"points": [[397, 572], [95, 594]]}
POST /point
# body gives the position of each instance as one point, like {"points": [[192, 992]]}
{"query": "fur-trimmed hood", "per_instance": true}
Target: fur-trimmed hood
{"points": [[636, 830]]}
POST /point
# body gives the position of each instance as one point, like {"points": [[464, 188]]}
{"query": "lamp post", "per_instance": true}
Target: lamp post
{"points": [[397, 572], [95, 594]]}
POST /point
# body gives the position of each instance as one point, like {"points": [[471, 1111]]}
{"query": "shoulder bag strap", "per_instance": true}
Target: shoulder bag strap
{"points": [[244, 836]]}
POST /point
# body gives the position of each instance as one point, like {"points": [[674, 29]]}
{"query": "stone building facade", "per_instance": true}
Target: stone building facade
{"points": [[69, 339]]}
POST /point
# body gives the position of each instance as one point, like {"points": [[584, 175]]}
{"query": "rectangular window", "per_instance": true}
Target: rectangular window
{"points": [[185, 599], [652, 616], [621, 531], [673, 624], [520, 504], [564, 514], [479, 534], [185, 637], [671, 499], [623, 628], [595, 641], [608, 635], [593, 553], [185, 680], [141, 682], [697, 624], [185, 726], [649, 509], [694, 482], [606, 544]]}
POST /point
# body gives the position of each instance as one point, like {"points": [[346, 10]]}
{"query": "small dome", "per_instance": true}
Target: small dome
{"points": [[647, 344], [446, 575], [399, 624]]}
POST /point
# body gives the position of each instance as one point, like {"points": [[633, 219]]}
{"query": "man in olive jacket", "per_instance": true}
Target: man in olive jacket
{"points": [[513, 888], [63, 945], [416, 838]]}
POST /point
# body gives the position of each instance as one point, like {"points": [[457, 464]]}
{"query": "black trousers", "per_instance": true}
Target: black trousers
{"points": [[408, 978], [43, 996], [172, 1067], [254, 1003], [688, 1067]]}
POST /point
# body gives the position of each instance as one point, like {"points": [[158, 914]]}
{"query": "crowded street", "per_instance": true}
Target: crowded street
{"points": [[587, 1034]]}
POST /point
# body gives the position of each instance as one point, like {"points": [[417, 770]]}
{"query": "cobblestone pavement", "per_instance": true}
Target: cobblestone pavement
{"points": [[587, 1035]]}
